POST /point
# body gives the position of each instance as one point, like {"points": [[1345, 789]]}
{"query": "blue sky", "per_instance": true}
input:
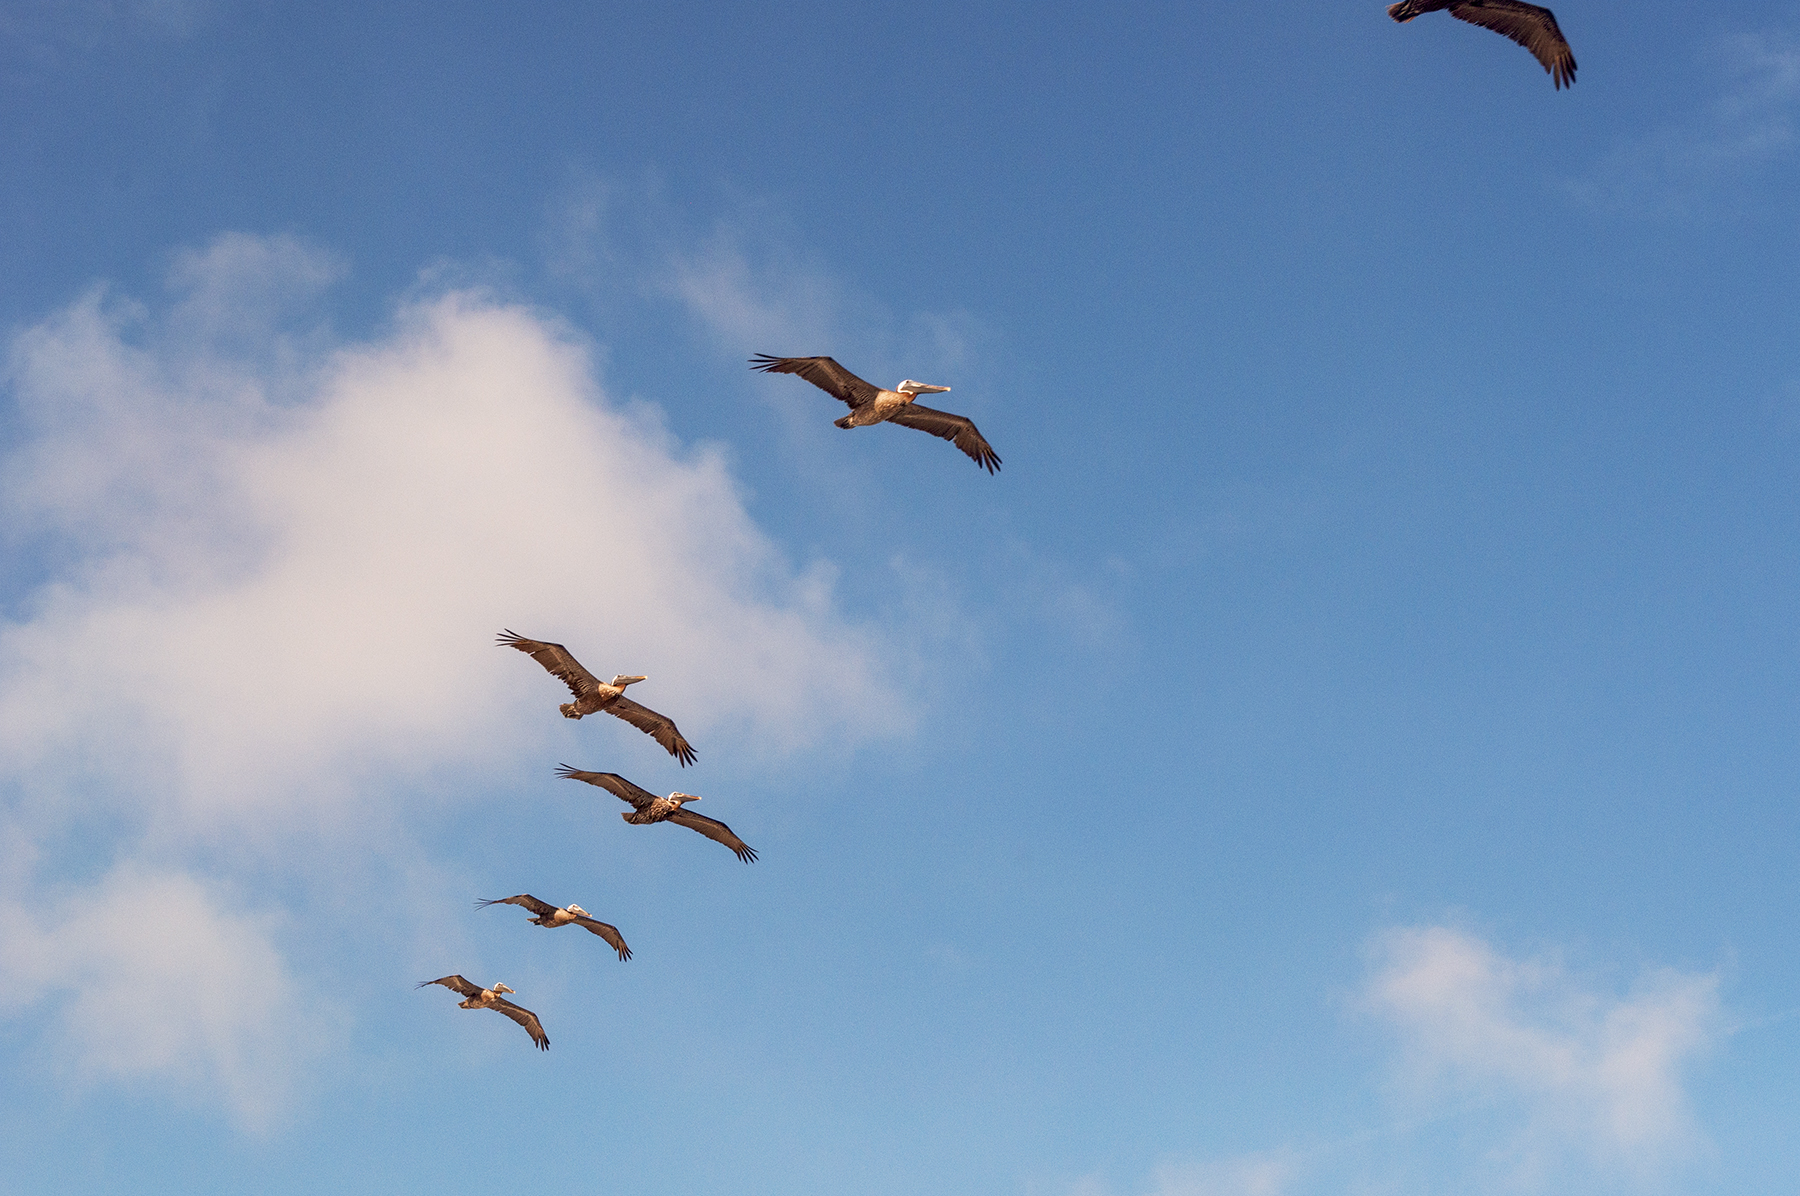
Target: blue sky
{"points": [[1349, 748]]}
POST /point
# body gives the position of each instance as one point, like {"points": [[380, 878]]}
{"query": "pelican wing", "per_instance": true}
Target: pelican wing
{"points": [[823, 373], [455, 984], [1532, 27], [541, 909], [525, 1018], [715, 830], [659, 727], [609, 933], [613, 783], [556, 661], [957, 429]]}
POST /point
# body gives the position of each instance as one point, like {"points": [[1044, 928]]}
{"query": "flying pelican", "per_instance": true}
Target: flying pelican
{"points": [[1530, 26], [490, 998], [648, 808], [592, 694], [869, 404], [549, 915]]}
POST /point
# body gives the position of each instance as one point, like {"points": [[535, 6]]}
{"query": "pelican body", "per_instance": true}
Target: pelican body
{"points": [[551, 917], [870, 404], [477, 997], [647, 808], [593, 694]]}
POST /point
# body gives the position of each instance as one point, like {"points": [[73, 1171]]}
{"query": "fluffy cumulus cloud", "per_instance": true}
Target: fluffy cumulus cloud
{"points": [[272, 569], [1585, 1077]]}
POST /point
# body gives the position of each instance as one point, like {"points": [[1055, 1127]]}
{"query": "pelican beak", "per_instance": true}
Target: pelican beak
{"points": [[635, 680], [933, 390]]}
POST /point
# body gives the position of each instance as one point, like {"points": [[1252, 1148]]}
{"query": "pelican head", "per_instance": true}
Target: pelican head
{"points": [[621, 680], [501, 988], [683, 798], [576, 909], [909, 387]]}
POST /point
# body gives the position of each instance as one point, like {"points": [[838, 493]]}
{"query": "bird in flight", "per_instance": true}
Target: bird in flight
{"points": [[593, 694], [571, 915], [1530, 26], [869, 404], [646, 808], [478, 997]]}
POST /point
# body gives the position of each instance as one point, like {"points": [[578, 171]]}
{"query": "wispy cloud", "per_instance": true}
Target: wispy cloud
{"points": [[1252, 1176], [278, 574], [1696, 167], [1586, 1077]]}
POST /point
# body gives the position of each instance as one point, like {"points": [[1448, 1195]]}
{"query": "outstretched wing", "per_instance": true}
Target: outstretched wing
{"points": [[556, 660], [541, 909], [609, 933], [715, 830], [823, 373], [659, 727], [525, 1018], [612, 782], [1532, 27], [455, 984], [957, 429]]}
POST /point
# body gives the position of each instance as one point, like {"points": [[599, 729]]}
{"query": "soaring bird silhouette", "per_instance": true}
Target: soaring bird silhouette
{"points": [[1530, 26]]}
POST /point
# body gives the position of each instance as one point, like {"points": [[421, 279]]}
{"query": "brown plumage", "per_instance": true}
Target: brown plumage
{"points": [[478, 997], [1532, 27], [646, 808], [571, 915], [870, 404], [593, 694]]}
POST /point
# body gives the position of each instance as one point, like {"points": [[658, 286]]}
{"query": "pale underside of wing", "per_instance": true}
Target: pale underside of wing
{"points": [[957, 429], [715, 830], [541, 909], [455, 984], [556, 661], [613, 783], [525, 1018], [609, 933], [1533, 27], [659, 727], [823, 373]]}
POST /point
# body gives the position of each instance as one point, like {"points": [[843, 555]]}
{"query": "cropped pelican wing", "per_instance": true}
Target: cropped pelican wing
{"points": [[1532, 27], [541, 909], [556, 661], [659, 727], [455, 984], [715, 830], [613, 783], [525, 1018], [609, 933], [823, 373], [957, 429]]}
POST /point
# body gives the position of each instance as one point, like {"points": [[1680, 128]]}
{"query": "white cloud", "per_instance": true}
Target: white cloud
{"points": [[1695, 166], [156, 975], [1590, 1078], [277, 573]]}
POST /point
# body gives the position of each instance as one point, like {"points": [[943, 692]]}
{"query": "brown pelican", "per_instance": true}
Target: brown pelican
{"points": [[1530, 26], [869, 404], [648, 808], [549, 915], [592, 694], [490, 998]]}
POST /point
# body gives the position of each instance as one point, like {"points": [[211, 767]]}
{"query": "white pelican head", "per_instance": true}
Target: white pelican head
{"points": [[621, 680], [501, 988], [683, 798], [909, 387], [576, 909]]}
